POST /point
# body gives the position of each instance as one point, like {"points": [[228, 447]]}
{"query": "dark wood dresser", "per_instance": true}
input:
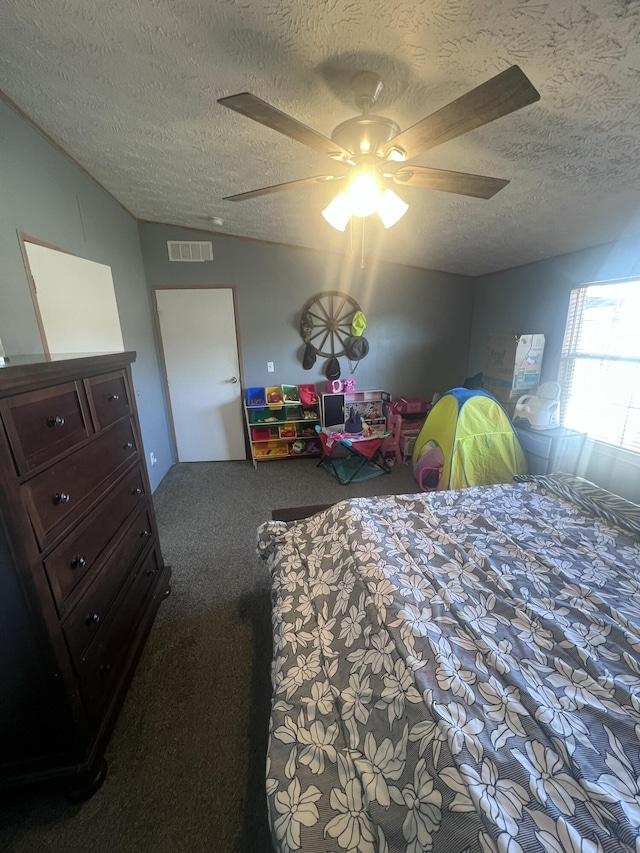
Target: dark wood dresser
{"points": [[550, 450], [81, 574]]}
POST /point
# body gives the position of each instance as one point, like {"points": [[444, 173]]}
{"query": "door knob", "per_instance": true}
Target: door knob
{"points": [[234, 379]]}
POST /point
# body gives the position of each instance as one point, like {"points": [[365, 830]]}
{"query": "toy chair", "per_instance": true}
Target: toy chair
{"points": [[363, 458], [391, 445], [428, 468]]}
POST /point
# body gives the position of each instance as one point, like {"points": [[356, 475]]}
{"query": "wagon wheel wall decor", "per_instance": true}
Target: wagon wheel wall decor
{"points": [[327, 322]]}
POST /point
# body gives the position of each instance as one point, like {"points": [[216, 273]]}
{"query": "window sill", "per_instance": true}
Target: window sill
{"points": [[609, 451]]}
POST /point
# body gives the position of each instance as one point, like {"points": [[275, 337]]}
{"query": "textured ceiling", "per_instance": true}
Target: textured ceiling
{"points": [[129, 89]]}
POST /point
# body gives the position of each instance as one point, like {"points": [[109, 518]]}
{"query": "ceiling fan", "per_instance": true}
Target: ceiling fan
{"points": [[372, 153]]}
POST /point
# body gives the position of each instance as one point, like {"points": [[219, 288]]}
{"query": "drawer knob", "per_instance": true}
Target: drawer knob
{"points": [[113, 398], [105, 669], [145, 533], [136, 490], [78, 562], [55, 420], [61, 498], [127, 445], [92, 618]]}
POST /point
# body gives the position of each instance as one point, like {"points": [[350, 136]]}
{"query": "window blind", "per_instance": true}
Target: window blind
{"points": [[600, 363]]}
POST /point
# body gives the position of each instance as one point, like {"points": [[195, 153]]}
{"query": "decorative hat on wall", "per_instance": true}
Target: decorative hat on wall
{"points": [[356, 348], [332, 370], [358, 324], [309, 357]]}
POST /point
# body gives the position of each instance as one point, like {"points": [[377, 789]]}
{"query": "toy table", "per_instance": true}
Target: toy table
{"points": [[364, 456]]}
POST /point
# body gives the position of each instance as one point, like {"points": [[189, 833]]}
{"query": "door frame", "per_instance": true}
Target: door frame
{"points": [[163, 364]]}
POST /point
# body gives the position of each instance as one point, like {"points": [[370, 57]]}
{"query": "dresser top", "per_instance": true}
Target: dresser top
{"points": [[20, 372]]}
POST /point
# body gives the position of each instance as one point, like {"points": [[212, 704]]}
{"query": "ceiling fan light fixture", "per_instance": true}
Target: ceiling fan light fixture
{"points": [[364, 200], [396, 154], [338, 212], [363, 195], [391, 208]]}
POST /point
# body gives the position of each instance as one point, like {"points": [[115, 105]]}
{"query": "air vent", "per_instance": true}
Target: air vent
{"points": [[183, 250]]}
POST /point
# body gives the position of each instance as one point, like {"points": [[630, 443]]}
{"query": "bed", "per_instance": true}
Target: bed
{"points": [[457, 671]]}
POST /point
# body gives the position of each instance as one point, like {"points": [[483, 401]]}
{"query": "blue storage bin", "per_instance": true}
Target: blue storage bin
{"points": [[256, 397]]}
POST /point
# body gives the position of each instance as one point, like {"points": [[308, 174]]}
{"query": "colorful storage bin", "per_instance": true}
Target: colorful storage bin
{"points": [[266, 415], [293, 413], [256, 397], [260, 434], [274, 395], [271, 449], [288, 431], [308, 394], [290, 394]]}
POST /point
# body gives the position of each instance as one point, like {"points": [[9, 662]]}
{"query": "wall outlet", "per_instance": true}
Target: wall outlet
{"points": [[269, 367], [152, 457]]}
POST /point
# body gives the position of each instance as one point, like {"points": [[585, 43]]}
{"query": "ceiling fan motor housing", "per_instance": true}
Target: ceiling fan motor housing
{"points": [[365, 135]]}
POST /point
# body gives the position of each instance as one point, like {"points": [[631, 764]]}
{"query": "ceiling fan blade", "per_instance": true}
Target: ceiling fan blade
{"points": [[289, 185], [462, 183], [507, 92], [254, 108]]}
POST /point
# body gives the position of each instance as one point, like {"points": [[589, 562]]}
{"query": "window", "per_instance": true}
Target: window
{"points": [[600, 363]]}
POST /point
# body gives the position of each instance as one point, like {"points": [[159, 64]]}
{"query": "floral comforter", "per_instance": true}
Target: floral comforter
{"points": [[458, 671]]}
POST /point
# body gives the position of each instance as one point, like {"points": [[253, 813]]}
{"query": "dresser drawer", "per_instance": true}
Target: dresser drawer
{"points": [[102, 665], [552, 450], [43, 424], [89, 614], [75, 557], [61, 492], [108, 398], [536, 443]]}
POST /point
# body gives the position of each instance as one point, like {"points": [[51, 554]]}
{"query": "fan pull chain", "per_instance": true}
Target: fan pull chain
{"points": [[362, 252]]}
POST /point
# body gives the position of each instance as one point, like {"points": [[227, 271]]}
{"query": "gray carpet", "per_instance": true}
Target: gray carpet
{"points": [[186, 761]]}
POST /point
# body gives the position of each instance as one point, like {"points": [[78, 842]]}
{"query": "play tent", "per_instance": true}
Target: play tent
{"points": [[467, 440]]}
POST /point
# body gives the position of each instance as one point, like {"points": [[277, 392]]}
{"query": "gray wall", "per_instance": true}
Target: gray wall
{"points": [[535, 298], [45, 195], [418, 321]]}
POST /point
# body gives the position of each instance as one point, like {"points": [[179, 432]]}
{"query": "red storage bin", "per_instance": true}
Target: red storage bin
{"points": [[260, 433], [413, 406], [308, 394]]}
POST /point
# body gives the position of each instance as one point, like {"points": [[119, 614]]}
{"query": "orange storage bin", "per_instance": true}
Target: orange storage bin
{"points": [[271, 449]]}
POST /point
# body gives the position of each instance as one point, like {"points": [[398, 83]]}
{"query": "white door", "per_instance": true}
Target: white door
{"points": [[198, 331]]}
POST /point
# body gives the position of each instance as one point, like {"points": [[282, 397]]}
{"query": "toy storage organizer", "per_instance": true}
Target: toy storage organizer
{"points": [[281, 422]]}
